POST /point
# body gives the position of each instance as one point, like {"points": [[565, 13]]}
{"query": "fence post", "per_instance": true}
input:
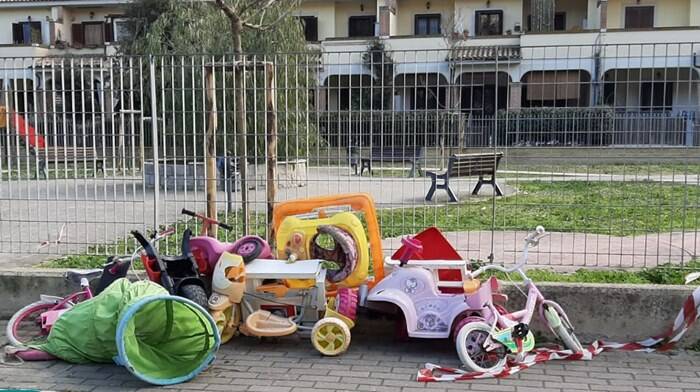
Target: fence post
{"points": [[154, 135]]}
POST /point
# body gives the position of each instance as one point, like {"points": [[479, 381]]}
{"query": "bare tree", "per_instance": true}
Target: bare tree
{"points": [[259, 15]]}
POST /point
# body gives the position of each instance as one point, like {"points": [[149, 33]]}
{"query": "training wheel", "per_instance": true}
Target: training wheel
{"points": [[330, 336]]}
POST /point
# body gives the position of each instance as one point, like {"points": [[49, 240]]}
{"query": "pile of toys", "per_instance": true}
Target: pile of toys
{"points": [[326, 267], [318, 275]]}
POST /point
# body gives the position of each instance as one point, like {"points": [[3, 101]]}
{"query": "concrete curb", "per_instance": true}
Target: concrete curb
{"points": [[615, 312]]}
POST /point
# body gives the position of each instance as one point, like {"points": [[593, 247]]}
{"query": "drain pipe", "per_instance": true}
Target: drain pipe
{"points": [[597, 61]]}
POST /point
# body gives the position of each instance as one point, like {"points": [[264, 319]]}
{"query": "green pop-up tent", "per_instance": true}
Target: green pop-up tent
{"points": [[160, 338]]}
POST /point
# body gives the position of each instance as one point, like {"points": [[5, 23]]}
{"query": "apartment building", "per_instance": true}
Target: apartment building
{"points": [[57, 27], [31, 30], [484, 55]]}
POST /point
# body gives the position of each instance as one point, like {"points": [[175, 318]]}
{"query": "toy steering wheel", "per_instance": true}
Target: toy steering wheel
{"points": [[412, 246]]}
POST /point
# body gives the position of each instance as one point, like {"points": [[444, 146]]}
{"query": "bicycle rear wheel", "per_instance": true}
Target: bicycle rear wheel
{"points": [[25, 325]]}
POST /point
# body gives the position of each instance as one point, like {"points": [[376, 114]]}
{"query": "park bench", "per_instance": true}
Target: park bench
{"points": [[403, 154], [467, 165], [68, 154]]}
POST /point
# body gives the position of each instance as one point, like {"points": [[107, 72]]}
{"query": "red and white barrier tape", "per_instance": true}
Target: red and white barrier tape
{"points": [[686, 317]]}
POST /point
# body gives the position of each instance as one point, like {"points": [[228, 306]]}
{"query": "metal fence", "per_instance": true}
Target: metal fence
{"points": [[601, 145]]}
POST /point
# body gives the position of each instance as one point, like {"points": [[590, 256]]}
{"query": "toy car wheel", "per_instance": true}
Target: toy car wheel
{"points": [[194, 293], [470, 348], [346, 303], [249, 249], [330, 336]]}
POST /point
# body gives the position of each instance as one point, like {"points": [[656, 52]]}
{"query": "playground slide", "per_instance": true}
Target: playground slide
{"points": [[28, 132]]}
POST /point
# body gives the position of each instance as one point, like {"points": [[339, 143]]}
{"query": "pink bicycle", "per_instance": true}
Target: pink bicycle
{"points": [[32, 323], [485, 339]]}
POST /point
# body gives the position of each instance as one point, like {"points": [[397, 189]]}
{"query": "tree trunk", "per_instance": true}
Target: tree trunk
{"points": [[241, 129]]}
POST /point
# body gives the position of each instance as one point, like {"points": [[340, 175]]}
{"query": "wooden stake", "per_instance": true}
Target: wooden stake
{"points": [[210, 150], [271, 109]]}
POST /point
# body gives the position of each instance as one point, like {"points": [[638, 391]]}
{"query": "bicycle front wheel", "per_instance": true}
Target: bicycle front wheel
{"points": [[24, 327]]}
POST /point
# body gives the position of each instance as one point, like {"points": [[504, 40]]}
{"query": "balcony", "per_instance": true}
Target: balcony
{"points": [[37, 50]]}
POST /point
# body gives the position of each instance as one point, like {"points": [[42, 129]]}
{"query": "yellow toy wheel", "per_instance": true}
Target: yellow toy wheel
{"points": [[330, 336]]}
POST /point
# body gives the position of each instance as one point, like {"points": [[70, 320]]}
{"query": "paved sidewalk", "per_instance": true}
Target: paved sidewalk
{"points": [[373, 363]]}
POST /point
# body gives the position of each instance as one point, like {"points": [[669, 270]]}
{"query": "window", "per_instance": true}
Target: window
{"points": [[94, 34], [25, 33], [556, 88], [489, 22], [361, 26], [657, 96], [427, 24], [560, 21], [639, 17], [310, 26], [91, 34], [122, 29]]}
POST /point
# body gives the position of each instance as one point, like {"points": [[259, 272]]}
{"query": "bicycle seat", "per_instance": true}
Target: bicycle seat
{"points": [[76, 276]]}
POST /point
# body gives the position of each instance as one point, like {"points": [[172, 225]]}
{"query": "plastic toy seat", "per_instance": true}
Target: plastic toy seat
{"points": [[263, 323]]}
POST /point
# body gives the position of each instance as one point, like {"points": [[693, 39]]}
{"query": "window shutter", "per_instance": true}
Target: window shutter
{"points": [[17, 34], [313, 27], [646, 17], [78, 36], [109, 32]]}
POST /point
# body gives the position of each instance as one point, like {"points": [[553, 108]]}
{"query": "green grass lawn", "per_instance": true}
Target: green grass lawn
{"points": [[632, 170], [618, 169], [614, 208], [665, 274]]}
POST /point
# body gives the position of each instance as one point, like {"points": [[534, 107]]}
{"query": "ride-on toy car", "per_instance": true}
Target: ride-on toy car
{"points": [[207, 250], [484, 332], [178, 274]]}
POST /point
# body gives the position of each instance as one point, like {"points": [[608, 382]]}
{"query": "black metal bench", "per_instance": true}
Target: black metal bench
{"points": [[68, 154], [411, 154], [467, 165]]}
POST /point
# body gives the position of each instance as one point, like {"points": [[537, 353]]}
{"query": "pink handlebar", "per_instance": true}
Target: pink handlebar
{"points": [[412, 247]]}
